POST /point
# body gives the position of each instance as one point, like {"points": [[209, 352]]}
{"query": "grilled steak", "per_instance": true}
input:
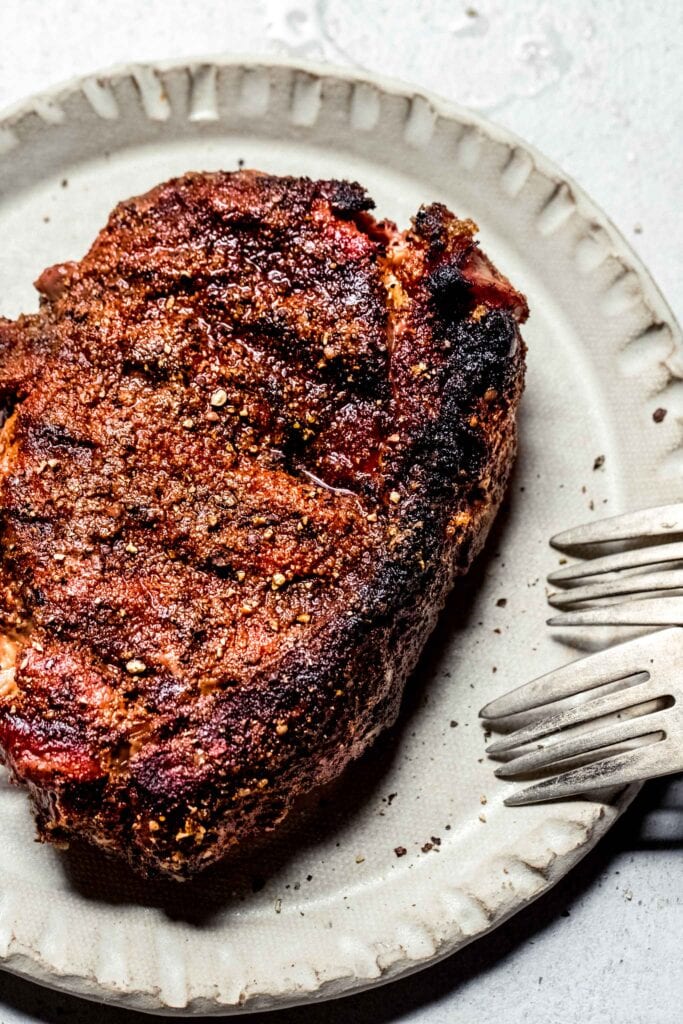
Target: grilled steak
{"points": [[253, 435]]}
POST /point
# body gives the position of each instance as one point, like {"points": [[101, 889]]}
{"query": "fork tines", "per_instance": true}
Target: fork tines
{"points": [[639, 558], [647, 668], [656, 611], [664, 520], [624, 585], [590, 591]]}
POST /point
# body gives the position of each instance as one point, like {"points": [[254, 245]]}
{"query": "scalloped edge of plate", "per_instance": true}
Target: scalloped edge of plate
{"points": [[653, 347]]}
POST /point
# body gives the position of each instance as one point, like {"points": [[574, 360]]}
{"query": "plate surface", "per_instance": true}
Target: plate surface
{"points": [[332, 908]]}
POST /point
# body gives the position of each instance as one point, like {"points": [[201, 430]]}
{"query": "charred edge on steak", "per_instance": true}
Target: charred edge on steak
{"points": [[255, 434]]}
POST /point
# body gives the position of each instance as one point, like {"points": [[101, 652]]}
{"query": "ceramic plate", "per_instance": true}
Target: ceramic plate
{"points": [[332, 908]]}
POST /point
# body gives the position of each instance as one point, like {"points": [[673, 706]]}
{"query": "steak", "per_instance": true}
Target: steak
{"points": [[252, 437]]}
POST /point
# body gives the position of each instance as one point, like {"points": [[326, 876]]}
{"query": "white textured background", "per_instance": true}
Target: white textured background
{"points": [[598, 86]]}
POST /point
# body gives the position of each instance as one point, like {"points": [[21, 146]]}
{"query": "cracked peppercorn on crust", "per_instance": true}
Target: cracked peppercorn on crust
{"points": [[254, 434]]}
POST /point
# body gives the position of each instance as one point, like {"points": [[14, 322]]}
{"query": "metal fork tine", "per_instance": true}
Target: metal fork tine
{"points": [[671, 580], [617, 770], [608, 704], [621, 560], [649, 522], [655, 611], [606, 666], [606, 736]]}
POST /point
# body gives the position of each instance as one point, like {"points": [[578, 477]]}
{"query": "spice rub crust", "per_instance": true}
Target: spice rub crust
{"points": [[254, 435]]}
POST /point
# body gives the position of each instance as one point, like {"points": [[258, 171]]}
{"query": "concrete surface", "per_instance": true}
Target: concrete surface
{"points": [[597, 86]]}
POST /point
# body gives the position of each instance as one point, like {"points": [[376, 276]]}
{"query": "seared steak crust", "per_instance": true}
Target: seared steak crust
{"points": [[254, 435]]}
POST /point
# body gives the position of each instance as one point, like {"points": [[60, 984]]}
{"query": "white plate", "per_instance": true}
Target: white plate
{"points": [[338, 910]]}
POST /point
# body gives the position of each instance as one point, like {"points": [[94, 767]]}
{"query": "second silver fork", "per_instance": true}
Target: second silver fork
{"points": [[646, 706]]}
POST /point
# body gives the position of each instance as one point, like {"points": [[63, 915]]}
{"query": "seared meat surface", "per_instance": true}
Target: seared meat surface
{"points": [[253, 436]]}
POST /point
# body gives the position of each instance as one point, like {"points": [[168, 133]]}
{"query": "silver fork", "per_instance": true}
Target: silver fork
{"points": [[590, 591], [645, 705]]}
